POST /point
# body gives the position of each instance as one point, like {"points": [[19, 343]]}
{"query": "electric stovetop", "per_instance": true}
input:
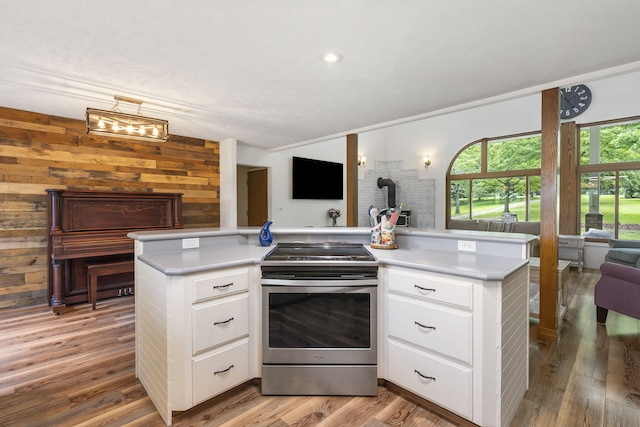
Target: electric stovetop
{"points": [[319, 260]]}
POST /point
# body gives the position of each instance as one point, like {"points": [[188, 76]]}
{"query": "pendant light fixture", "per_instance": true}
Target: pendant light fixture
{"points": [[123, 125]]}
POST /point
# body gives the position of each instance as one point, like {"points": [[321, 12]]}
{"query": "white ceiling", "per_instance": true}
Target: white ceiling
{"points": [[251, 70]]}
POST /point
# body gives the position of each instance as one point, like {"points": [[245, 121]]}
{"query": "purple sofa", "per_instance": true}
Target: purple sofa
{"points": [[618, 289]]}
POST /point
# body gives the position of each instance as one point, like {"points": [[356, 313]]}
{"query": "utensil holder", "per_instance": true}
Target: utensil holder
{"points": [[383, 238]]}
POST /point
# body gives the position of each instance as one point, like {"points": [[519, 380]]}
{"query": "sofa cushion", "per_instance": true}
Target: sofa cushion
{"points": [[626, 255], [466, 224], [526, 228], [492, 225], [496, 226], [621, 243], [484, 224], [509, 226]]}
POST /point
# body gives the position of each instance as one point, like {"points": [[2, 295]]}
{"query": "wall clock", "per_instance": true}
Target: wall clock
{"points": [[574, 100]]}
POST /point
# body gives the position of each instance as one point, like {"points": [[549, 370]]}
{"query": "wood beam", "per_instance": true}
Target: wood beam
{"points": [[352, 180], [548, 215]]}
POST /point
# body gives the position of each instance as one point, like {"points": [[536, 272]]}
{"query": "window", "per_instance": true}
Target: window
{"points": [[610, 143], [514, 154], [467, 161], [497, 178], [610, 177]]}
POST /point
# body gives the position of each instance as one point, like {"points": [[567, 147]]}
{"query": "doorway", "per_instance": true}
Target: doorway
{"points": [[253, 196]]}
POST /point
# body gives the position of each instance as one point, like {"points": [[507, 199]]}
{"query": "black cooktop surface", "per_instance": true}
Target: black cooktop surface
{"points": [[320, 261], [349, 252]]}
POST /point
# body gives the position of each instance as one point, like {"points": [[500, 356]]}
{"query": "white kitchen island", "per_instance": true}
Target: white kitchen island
{"points": [[473, 362]]}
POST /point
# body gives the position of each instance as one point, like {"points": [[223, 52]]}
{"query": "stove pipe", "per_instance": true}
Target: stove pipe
{"points": [[391, 191]]}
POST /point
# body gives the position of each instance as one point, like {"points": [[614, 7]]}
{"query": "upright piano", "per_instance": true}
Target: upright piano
{"points": [[86, 228]]}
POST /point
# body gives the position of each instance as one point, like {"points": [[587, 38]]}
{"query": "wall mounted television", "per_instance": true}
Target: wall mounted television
{"points": [[316, 179]]}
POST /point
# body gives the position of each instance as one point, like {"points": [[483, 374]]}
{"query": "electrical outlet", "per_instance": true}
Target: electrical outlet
{"points": [[466, 245], [191, 243]]}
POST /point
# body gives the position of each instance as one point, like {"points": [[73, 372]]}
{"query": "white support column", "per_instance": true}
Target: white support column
{"points": [[228, 183]]}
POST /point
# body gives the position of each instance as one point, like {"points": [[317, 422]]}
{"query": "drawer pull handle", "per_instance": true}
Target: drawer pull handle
{"points": [[226, 370], [223, 286], [425, 326], [424, 289], [424, 376], [223, 322]]}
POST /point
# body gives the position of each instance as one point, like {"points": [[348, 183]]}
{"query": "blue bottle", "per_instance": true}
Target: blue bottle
{"points": [[265, 234]]}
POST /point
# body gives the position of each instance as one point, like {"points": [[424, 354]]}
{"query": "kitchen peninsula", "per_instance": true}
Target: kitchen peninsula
{"points": [[198, 315]]}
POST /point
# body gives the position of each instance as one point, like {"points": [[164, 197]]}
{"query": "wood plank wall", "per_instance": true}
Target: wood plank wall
{"points": [[38, 151]]}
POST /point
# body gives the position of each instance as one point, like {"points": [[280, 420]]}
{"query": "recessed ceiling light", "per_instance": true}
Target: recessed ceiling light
{"points": [[332, 57]]}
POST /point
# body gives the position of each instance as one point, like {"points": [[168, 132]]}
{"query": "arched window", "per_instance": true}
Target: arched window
{"points": [[496, 178]]}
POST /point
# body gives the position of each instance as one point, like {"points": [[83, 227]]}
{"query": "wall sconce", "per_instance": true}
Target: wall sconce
{"points": [[361, 161], [134, 126], [427, 161]]}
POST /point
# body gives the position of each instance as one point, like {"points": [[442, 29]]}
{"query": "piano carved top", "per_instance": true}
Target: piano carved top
{"points": [[90, 214], [95, 223], [73, 211]]}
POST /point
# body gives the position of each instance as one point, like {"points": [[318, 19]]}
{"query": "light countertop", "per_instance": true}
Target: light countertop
{"points": [[199, 260], [481, 267]]}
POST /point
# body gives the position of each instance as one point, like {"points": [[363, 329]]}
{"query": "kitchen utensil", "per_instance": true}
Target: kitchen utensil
{"points": [[374, 217], [394, 218], [371, 223], [385, 222]]}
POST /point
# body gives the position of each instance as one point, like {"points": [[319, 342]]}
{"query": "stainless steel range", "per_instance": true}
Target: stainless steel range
{"points": [[319, 320]]}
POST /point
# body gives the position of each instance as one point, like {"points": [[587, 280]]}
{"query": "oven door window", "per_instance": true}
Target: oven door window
{"points": [[319, 320]]}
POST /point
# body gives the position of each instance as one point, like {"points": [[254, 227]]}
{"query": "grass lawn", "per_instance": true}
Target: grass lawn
{"points": [[493, 209], [629, 215]]}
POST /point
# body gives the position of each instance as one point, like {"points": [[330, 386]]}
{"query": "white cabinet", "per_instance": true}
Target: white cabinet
{"points": [[437, 379], [220, 370], [460, 343], [220, 321], [194, 336], [438, 288], [431, 326], [219, 283]]}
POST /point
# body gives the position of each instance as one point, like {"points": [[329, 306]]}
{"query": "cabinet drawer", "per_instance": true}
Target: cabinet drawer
{"points": [[431, 287], [446, 331], [451, 387], [225, 282], [220, 321], [220, 370]]}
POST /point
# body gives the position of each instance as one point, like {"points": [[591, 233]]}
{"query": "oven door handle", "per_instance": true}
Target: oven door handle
{"points": [[321, 283]]}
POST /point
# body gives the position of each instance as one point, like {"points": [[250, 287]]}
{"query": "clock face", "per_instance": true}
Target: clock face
{"points": [[574, 100]]}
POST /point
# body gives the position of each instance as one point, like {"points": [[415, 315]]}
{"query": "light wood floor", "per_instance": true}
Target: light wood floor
{"points": [[78, 370]]}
